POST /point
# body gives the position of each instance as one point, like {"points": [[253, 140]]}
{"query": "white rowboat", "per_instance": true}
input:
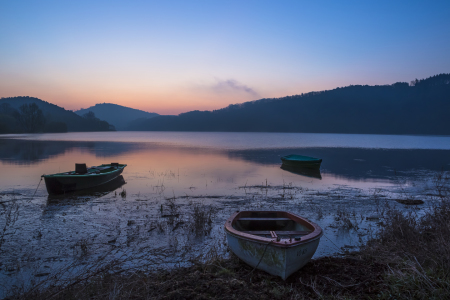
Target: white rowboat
{"points": [[277, 242]]}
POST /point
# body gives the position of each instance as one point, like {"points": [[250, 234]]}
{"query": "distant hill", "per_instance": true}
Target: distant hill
{"points": [[421, 107], [117, 115], [55, 114]]}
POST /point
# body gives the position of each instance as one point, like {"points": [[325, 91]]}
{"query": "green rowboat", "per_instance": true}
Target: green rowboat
{"points": [[302, 161], [82, 178]]}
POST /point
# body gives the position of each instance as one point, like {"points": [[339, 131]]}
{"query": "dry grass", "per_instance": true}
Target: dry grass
{"points": [[201, 218], [416, 247], [409, 258], [218, 278]]}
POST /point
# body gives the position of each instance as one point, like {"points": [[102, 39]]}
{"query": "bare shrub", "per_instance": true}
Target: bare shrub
{"points": [[201, 218], [345, 219], [417, 249]]}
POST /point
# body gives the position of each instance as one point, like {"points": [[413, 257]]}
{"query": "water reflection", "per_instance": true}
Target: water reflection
{"points": [[358, 163], [26, 152], [171, 178], [346, 163], [308, 172]]}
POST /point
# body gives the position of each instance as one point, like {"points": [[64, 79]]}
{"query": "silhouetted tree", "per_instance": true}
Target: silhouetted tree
{"points": [[7, 124], [421, 108], [414, 82], [90, 116], [52, 113], [6, 109], [95, 124], [31, 117], [55, 127]]}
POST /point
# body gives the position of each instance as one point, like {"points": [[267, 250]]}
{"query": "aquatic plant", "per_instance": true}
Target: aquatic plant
{"points": [[201, 218]]}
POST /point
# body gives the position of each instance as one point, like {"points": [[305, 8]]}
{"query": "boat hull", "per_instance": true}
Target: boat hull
{"points": [[63, 184], [277, 242], [299, 161], [278, 261], [93, 192]]}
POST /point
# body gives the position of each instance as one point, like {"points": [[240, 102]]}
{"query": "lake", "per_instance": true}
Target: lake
{"points": [[172, 178]]}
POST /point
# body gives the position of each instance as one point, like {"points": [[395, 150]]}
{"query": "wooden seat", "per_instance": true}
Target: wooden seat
{"points": [[277, 232], [263, 219]]}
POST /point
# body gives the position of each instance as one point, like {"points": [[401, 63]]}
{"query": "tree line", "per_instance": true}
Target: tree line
{"points": [[29, 118], [420, 107]]}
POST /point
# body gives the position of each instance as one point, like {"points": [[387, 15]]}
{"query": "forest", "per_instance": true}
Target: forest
{"points": [[418, 107], [32, 115]]}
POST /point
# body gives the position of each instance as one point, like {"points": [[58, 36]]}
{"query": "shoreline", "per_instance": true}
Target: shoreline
{"points": [[409, 251], [408, 258]]}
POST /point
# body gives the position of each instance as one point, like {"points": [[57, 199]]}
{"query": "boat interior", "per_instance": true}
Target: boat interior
{"points": [[81, 169], [272, 225]]}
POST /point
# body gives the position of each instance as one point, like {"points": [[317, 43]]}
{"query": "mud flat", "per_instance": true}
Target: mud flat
{"points": [[135, 246], [408, 259]]}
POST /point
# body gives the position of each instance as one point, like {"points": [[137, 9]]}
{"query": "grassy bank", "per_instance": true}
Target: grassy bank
{"points": [[408, 258]]}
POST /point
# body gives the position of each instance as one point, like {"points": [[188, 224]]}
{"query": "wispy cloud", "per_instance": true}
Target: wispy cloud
{"points": [[232, 86]]}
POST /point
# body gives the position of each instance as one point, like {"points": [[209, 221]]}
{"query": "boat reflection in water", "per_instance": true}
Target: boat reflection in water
{"points": [[95, 192], [308, 172]]}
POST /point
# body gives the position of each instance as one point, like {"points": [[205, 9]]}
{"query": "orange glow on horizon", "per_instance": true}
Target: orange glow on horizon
{"points": [[157, 101]]}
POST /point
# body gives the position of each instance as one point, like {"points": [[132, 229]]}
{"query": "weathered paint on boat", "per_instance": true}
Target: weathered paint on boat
{"points": [[295, 160], [281, 254], [61, 183]]}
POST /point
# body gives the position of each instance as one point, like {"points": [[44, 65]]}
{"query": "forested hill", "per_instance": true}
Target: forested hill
{"points": [[117, 115], [47, 117], [421, 107]]}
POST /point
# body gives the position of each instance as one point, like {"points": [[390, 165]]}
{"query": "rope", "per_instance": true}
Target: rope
{"points": [[37, 188], [260, 258], [31, 197], [332, 242]]}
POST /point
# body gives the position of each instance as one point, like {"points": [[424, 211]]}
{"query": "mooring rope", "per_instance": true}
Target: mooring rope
{"points": [[36, 188], [340, 249], [260, 258]]}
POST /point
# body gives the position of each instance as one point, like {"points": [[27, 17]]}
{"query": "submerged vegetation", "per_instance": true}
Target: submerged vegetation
{"points": [[407, 257]]}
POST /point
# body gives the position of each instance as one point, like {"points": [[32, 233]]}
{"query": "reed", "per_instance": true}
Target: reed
{"points": [[201, 218], [407, 258]]}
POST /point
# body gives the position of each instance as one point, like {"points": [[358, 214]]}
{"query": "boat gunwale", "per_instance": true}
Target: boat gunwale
{"points": [[297, 158], [283, 243], [64, 175]]}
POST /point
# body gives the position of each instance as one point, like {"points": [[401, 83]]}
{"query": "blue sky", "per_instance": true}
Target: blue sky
{"points": [[174, 56]]}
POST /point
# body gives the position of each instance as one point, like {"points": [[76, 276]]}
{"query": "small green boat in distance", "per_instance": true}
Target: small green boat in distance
{"points": [[301, 161], [82, 178]]}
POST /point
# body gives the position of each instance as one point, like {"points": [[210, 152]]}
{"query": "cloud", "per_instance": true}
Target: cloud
{"points": [[233, 86]]}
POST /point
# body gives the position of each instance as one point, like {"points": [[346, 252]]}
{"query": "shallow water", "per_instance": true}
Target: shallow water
{"points": [[170, 174]]}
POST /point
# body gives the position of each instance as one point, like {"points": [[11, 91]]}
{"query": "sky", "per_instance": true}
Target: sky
{"points": [[171, 57]]}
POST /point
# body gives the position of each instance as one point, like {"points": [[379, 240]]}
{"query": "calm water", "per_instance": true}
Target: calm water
{"points": [[198, 163], [170, 173]]}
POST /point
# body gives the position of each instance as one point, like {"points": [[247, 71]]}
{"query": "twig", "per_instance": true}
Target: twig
{"points": [[344, 286]]}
